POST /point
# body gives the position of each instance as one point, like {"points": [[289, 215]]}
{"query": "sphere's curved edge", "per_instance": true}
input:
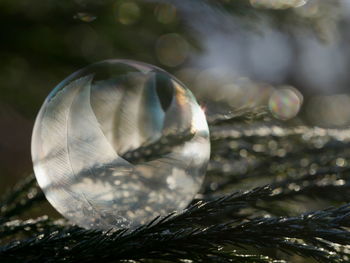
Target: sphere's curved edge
{"points": [[115, 197]]}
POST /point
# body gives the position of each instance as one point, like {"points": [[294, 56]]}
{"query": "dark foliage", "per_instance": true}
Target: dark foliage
{"points": [[259, 225]]}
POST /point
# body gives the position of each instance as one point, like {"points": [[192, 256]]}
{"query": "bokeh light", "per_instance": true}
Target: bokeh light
{"points": [[165, 13], [128, 13], [85, 17], [172, 49]]}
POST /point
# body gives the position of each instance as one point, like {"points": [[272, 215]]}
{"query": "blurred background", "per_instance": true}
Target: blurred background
{"points": [[291, 55]]}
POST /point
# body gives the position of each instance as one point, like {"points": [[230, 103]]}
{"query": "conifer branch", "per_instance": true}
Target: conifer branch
{"points": [[309, 235], [22, 197], [230, 228]]}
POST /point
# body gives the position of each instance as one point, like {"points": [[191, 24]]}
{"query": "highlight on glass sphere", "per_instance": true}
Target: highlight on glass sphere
{"points": [[118, 143]]}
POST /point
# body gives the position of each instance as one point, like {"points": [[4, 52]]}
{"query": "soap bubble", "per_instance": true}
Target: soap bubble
{"points": [[89, 139], [285, 103]]}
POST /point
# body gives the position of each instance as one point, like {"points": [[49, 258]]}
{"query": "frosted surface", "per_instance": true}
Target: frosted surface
{"points": [[92, 119]]}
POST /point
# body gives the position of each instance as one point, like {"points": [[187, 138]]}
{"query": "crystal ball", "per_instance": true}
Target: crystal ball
{"points": [[118, 143]]}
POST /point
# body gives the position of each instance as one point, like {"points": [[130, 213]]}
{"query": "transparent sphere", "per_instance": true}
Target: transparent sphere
{"points": [[285, 103], [118, 143]]}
